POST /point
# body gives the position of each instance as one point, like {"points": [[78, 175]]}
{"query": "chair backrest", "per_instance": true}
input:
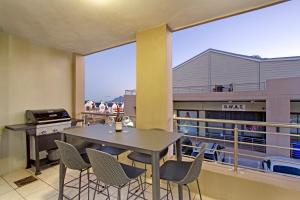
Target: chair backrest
{"points": [[195, 168], [70, 156], [106, 168]]}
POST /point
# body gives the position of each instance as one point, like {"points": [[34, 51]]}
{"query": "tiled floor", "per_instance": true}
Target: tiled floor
{"points": [[46, 187]]}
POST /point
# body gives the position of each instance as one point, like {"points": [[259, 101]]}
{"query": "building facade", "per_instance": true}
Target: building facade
{"points": [[223, 85]]}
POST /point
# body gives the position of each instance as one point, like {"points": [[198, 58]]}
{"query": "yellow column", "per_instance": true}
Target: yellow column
{"points": [[154, 101], [78, 85]]}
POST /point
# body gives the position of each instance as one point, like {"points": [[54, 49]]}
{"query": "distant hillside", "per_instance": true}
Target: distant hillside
{"points": [[118, 99]]}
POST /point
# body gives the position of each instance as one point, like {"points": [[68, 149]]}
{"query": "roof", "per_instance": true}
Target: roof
{"points": [[246, 57], [89, 26]]}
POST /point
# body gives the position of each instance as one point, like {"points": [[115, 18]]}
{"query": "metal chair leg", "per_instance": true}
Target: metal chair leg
{"points": [[170, 189], [119, 193], [79, 188], [88, 185], [128, 190], [96, 187], [143, 189], [108, 195], [145, 183], [199, 190], [189, 192]]}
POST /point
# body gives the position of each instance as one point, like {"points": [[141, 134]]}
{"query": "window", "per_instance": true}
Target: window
{"points": [[186, 129]]}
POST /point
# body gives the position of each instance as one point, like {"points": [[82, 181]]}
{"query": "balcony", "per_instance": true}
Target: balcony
{"points": [[43, 45], [242, 162]]}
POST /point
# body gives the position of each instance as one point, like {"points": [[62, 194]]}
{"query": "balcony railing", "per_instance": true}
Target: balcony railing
{"points": [[221, 88], [238, 151], [214, 88]]}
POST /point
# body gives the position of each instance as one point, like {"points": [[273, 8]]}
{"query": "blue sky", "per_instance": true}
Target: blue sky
{"points": [[269, 32]]}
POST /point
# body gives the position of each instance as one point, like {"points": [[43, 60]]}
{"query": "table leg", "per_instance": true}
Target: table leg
{"points": [[155, 176], [62, 173], [179, 158]]}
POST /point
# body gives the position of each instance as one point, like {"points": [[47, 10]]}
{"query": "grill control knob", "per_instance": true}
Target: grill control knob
{"points": [[43, 132], [55, 130]]}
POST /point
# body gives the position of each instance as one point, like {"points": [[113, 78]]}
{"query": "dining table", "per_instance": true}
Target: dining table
{"points": [[149, 141]]}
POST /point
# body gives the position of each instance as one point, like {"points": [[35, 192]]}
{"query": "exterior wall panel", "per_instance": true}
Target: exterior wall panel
{"points": [[194, 73], [227, 69], [279, 69]]}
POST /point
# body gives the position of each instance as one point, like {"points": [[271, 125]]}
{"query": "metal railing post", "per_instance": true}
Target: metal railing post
{"points": [[236, 147], [176, 126]]}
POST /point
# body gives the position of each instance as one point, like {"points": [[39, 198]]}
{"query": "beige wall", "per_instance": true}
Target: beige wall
{"points": [[31, 77]]}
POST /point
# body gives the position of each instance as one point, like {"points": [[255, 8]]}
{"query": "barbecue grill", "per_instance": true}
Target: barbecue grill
{"points": [[46, 126]]}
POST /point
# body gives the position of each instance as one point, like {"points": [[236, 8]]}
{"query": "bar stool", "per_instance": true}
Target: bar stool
{"points": [[115, 151], [183, 173], [112, 173], [72, 159], [145, 158]]}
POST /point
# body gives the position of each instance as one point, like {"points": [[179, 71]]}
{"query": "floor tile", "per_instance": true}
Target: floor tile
{"points": [[31, 188], [12, 195], [14, 176], [46, 188], [5, 188], [43, 194], [54, 180], [2, 181]]}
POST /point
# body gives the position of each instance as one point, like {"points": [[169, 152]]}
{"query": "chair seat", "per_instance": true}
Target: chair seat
{"points": [[174, 171], [115, 151], [132, 172], [140, 157]]}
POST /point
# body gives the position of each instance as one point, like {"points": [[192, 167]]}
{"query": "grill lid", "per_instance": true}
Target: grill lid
{"points": [[47, 116]]}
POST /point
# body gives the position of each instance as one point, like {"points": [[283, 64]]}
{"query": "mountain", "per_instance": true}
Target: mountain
{"points": [[118, 99]]}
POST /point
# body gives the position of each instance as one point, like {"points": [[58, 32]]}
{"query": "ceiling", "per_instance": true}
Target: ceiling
{"points": [[87, 26]]}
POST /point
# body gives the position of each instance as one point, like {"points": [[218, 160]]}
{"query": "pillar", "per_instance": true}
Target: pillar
{"points": [[278, 110], [78, 85], [154, 101]]}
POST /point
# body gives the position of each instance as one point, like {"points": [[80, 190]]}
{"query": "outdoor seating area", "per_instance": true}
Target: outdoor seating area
{"points": [[46, 187], [150, 100]]}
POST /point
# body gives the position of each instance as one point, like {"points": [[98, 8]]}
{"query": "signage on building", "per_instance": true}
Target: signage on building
{"points": [[233, 107]]}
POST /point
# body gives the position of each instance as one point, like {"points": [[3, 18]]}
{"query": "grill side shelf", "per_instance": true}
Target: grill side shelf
{"points": [[20, 127]]}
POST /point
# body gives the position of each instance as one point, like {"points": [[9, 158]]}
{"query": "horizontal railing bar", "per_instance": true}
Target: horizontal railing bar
{"points": [[245, 143], [207, 127], [192, 146], [207, 138], [267, 145], [242, 130], [252, 156], [242, 154], [239, 122]]}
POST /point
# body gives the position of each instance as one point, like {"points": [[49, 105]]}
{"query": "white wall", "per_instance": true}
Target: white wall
{"points": [[31, 77], [194, 73], [227, 69], [279, 69]]}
